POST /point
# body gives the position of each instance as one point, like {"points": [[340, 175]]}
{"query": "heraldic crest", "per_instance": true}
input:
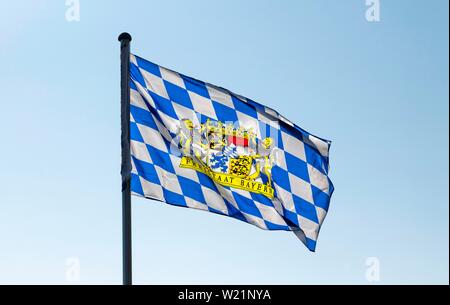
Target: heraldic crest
{"points": [[230, 156]]}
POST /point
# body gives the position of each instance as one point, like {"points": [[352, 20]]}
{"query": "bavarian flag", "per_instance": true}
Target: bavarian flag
{"points": [[201, 146]]}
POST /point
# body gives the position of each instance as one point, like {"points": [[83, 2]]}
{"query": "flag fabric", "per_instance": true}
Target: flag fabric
{"points": [[197, 145]]}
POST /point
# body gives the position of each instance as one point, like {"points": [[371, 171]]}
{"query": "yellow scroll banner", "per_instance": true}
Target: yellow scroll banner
{"points": [[227, 179]]}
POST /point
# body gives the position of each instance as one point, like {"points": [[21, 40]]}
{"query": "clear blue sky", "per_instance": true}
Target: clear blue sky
{"points": [[378, 90]]}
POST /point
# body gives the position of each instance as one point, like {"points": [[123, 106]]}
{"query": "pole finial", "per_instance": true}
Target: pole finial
{"points": [[124, 36]]}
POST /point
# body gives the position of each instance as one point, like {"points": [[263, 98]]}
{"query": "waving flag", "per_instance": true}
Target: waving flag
{"points": [[200, 146]]}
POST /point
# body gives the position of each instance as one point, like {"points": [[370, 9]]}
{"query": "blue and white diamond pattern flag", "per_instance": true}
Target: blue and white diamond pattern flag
{"points": [[200, 146]]}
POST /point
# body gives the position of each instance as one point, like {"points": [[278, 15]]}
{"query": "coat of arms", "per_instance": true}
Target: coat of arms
{"points": [[231, 156]]}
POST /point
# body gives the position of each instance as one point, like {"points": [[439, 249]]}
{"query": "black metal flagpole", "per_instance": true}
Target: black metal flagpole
{"points": [[125, 170]]}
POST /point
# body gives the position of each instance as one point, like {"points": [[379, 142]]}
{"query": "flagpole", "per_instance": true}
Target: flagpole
{"points": [[125, 170]]}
